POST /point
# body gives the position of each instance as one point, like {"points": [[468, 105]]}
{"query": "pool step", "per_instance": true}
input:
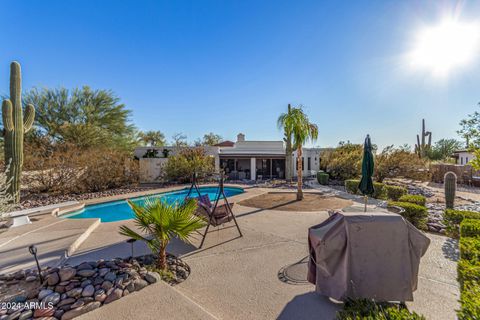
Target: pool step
{"points": [[55, 239]]}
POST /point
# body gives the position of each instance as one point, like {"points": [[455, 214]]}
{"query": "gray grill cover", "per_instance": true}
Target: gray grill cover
{"points": [[371, 255]]}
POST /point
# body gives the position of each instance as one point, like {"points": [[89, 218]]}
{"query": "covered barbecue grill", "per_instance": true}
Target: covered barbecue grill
{"points": [[358, 255]]}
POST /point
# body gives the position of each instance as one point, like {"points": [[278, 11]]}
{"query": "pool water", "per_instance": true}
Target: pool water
{"points": [[120, 210]]}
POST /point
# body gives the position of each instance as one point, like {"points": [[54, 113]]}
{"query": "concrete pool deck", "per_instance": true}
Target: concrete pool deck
{"points": [[237, 278]]}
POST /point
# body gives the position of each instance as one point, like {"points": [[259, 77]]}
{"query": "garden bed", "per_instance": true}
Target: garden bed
{"points": [[68, 291]]}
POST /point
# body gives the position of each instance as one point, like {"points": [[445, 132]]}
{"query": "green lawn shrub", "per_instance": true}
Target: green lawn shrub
{"points": [[470, 301], [470, 248], [351, 186], [416, 199], [395, 192], [468, 271], [364, 309], [453, 218], [415, 214], [322, 178], [470, 228]]}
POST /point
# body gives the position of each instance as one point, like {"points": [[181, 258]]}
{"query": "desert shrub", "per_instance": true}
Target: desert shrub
{"points": [[415, 214], [65, 168], [180, 167], [394, 192], [105, 168], [416, 199], [322, 178], [470, 301], [364, 309], [470, 228], [344, 162], [6, 199], [352, 186], [398, 162], [453, 218], [470, 248]]}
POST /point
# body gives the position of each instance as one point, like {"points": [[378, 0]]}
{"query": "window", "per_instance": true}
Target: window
{"points": [[309, 163], [303, 164], [461, 160], [466, 160]]}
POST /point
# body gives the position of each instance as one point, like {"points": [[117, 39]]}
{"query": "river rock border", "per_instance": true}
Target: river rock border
{"points": [[75, 290]]}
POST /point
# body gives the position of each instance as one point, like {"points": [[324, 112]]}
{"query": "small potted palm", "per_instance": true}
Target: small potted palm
{"points": [[159, 222]]}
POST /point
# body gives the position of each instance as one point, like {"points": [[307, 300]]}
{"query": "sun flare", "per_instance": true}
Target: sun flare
{"points": [[442, 48]]}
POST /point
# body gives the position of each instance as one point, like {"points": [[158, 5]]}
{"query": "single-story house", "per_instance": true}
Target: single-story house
{"points": [[252, 160], [463, 157]]}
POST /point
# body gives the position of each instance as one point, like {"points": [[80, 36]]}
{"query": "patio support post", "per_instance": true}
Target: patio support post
{"points": [[253, 169]]}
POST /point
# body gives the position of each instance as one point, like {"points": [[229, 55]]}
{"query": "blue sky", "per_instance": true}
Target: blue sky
{"points": [[233, 66]]}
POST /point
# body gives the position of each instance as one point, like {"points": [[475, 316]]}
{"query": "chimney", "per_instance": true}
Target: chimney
{"points": [[240, 137]]}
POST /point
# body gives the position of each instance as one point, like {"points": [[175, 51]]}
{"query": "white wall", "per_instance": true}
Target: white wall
{"points": [[464, 158], [314, 155]]}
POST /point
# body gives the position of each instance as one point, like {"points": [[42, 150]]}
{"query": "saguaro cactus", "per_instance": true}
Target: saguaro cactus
{"points": [[450, 184], [421, 147], [14, 127]]}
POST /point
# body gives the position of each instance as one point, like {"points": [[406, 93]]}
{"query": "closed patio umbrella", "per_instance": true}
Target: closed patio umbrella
{"points": [[366, 184]]}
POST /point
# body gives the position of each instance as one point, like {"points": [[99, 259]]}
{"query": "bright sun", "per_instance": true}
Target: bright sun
{"points": [[442, 48]]}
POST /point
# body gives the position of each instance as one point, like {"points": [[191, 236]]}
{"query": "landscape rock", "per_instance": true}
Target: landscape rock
{"points": [[152, 277], [88, 291], [79, 311], [115, 295], [67, 273], [86, 273]]}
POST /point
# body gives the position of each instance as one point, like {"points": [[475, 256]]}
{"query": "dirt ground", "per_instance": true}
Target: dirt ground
{"points": [[287, 201]]}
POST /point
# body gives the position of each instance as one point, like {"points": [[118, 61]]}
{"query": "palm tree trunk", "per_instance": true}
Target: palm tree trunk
{"points": [[162, 258], [299, 173], [288, 161]]}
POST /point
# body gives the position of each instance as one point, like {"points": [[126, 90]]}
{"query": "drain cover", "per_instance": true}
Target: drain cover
{"points": [[295, 273]]}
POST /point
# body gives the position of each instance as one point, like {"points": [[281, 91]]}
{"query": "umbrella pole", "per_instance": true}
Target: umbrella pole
{"points": [[366, 200]]}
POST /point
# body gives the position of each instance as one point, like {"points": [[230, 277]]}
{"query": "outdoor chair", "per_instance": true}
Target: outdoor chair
{"points": [[215, 214]]}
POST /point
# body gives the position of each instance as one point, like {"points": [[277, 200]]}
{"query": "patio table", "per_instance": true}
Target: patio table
{"points": [[374, 255]]}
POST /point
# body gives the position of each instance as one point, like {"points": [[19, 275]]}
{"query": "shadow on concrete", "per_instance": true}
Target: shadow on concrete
{"points": [[450, 249], [309, 305]]}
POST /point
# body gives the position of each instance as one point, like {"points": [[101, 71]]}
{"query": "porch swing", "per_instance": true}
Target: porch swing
{"points": [[216, 214]]}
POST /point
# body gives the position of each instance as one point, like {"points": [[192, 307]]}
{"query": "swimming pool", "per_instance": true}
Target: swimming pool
{"points": [[120, 210]]}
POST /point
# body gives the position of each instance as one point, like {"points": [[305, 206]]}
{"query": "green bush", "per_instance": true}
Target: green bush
{"points": [[453, 218], [352, 186], [394, 192], [416, 199], [415, 214], [467, 271], [380, 191], [470, 228], [470, 248], [364, 309], [470, 302], [322, 178]]}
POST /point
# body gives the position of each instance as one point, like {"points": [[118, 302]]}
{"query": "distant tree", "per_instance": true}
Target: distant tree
{"points": [[179, 140], [470, 129], [444, 148], [152, 138], [211, 139], [397, 162], [83, 117], [297, 122]]}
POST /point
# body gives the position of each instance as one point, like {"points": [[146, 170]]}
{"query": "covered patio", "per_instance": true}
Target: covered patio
{"points": [[241, 167]]}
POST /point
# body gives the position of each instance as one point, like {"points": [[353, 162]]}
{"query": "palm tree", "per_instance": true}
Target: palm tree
{"points": [[152, 138], [296, 122], [159, 222]]}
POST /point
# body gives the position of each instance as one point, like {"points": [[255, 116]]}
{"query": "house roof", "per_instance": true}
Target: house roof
{"points": [[226, 143]]}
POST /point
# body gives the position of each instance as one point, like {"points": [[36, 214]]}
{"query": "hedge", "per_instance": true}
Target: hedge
{"points": [[364, 309], [470, 228], [467, 271], [416, 199], [415, 214], [453, 218], [322, 178], [352, 187], [394, 192], [470, 301], [470, 248]]}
